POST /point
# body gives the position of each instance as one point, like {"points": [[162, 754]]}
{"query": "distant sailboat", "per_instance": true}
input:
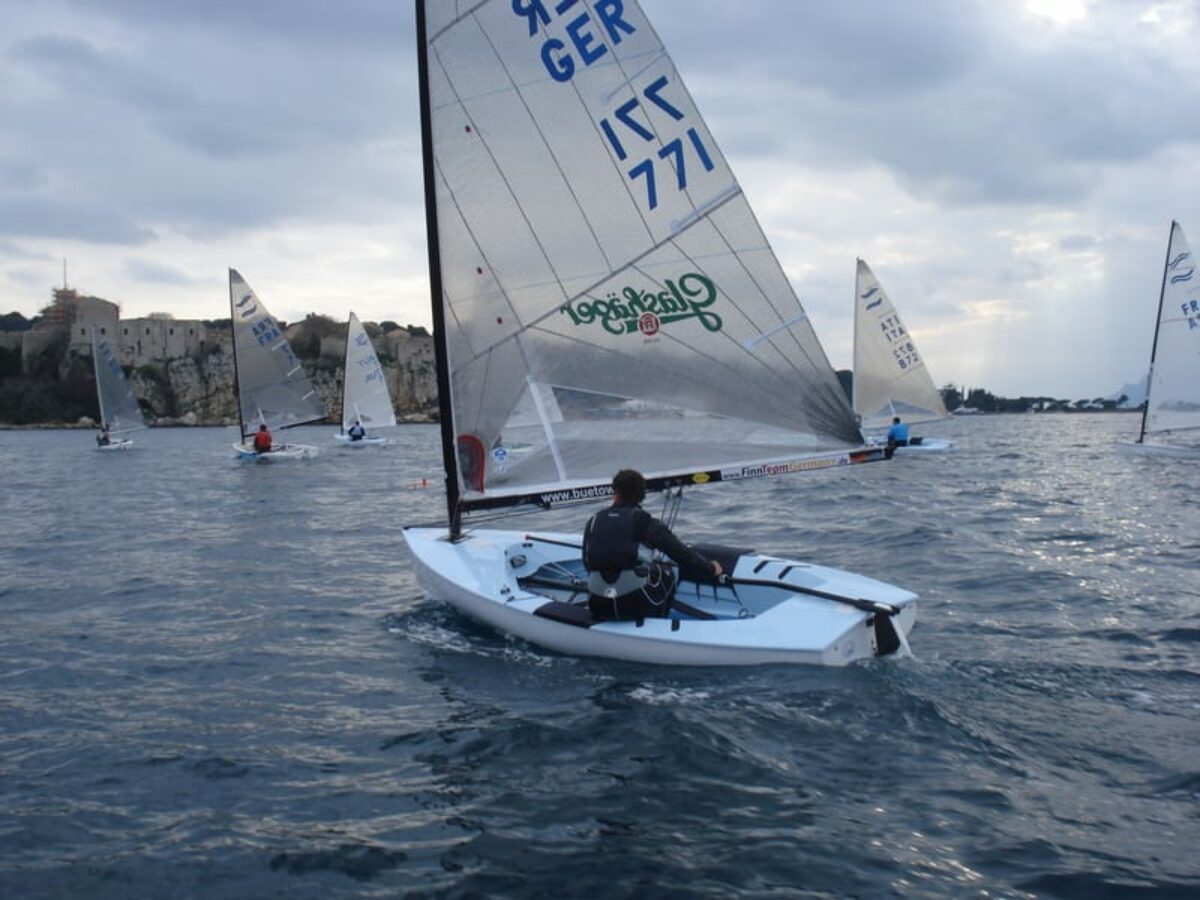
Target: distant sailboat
{"points": [[603, 297], [272, 388], [120, 413], [1171, 416], [365, 397], [890, 377]]}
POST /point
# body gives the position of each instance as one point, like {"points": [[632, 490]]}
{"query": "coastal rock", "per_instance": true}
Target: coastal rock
{"points": [[197, 388]]}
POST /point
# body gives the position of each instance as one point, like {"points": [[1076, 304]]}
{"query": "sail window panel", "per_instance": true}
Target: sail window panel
{"points": [[686, 368], [669, 376], [598, 432], [486, 390]]}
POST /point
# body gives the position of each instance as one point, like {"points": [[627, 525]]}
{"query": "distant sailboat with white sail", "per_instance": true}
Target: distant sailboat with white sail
{"points": [[1171, 416], [120, 413], [272, 388], [366, 402], [604, 298], [890, 377]]}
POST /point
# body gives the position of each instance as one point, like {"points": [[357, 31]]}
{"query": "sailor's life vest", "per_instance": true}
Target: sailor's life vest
{"points": [[262, 441], [610, 552]]}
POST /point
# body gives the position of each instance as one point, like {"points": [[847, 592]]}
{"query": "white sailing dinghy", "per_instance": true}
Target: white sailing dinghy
{"points": [[1171, 416], [365, 397], [119, 409], [890, 377], [594, 262], [272, 388]]}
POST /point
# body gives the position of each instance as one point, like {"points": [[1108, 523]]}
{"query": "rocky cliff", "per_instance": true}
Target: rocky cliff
{"points": [[56, 384]]}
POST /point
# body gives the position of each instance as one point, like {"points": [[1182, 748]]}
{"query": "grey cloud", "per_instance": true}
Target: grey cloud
{"points": [[846, 49], [158, 273], [47, 216], [81, 69], [363, 25], [934, 99], [13, 250], [1075, 242], [199, 134]]}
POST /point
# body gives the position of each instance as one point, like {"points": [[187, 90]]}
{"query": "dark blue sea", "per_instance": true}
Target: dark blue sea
{"points": [[220, 680]]}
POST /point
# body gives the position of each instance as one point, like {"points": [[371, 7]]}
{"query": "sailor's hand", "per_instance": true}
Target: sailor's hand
{"points": [[717, 570]]}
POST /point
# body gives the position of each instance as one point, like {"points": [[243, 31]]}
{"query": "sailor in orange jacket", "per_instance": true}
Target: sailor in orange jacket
{"points": [[262, 440]]}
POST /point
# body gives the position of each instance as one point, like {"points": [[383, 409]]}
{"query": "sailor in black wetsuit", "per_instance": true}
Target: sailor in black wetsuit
{"points": [[621, 585]]}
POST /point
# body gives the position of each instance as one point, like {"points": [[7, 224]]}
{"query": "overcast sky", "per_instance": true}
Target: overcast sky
{"points": [[1008, 169]]}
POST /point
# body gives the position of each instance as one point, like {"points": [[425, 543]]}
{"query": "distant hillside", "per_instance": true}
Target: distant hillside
{"points": [[1134, 394], [14, 321]]}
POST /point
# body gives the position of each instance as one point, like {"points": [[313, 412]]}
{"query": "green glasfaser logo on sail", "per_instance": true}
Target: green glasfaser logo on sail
{"points": [[688, 297]]}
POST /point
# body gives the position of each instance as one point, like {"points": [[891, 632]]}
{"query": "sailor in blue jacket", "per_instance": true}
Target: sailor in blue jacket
{"points": [[897, 436]]}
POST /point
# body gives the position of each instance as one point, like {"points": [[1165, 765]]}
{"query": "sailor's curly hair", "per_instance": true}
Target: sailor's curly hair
{"points": [[629, 485]]}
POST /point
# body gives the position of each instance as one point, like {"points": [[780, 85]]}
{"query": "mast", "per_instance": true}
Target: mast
{"points": [[1157, 324], [440, 340], [237, 388], [857, 368], [96, 369], [345, 372]]}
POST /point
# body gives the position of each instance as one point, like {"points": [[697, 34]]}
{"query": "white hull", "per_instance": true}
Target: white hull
{"points": [[278, 453], [114, 445], [487, 576], [1149, 448], [344, 441], [927, 445]]}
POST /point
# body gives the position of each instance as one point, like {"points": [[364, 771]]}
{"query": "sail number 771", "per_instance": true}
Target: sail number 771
{"points": [[674, 152]]}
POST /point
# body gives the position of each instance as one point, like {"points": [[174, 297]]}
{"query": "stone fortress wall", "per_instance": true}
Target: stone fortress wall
{"points": [[182, 369]]}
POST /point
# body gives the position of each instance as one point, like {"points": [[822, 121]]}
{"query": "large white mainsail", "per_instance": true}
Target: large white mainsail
{"points": [[271, 385], [119, 408], [592, 246], [365, 396], [1173, 404], [890, 377]]}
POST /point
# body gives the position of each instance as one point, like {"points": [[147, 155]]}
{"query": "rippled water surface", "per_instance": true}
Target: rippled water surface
{"points": [[220, 680]]}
